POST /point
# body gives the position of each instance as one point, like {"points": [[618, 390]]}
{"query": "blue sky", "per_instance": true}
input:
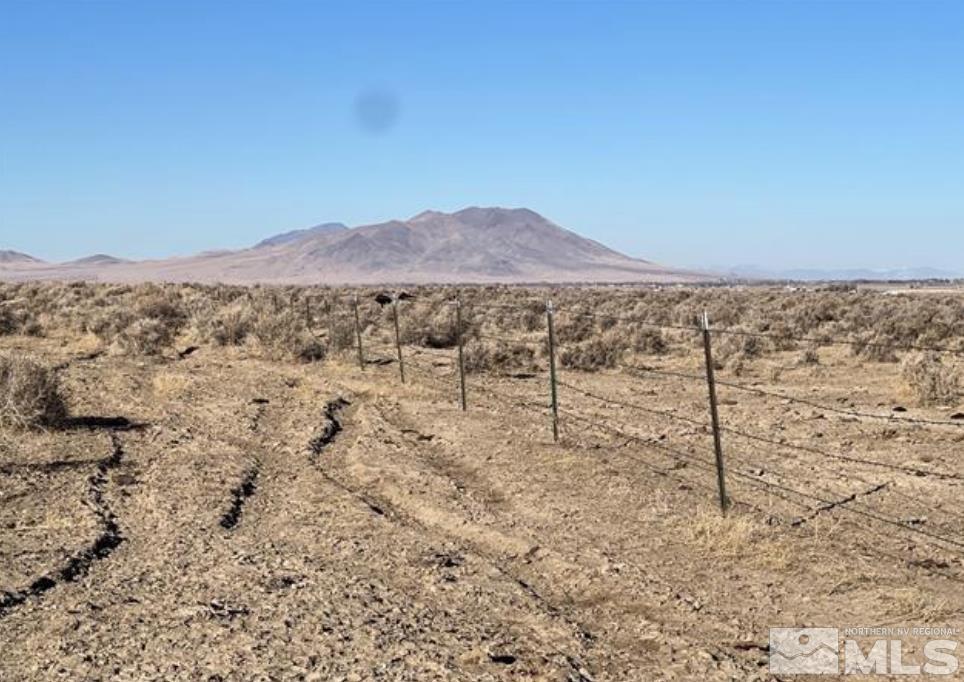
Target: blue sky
{"points": [[787, 134]]}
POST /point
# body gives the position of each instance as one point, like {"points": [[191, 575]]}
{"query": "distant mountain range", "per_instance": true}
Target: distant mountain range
{"points": [[474, 245], [836, 275]]}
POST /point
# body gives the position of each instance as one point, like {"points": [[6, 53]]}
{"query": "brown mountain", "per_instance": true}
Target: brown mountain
{"points": [[471, 245]]}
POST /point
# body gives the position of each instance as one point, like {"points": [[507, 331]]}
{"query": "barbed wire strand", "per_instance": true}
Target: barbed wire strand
{"points": [[601, 426], [536, 306], [793, 399], [915, 471], [838, 341], [506, 340], [705, 430], [835, 505], [761, 485], [633, 406], [838, 410], [625, 318], [534, 406]]}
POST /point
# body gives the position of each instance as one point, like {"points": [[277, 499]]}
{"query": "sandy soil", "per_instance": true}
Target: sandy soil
{"points": [[264, 521]]}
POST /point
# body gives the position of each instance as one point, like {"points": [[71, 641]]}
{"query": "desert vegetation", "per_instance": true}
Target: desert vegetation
{"points": [[30, 394], [503, 326], [200, 467], [933, 379]]}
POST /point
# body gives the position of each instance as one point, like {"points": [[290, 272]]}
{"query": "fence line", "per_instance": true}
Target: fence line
{"points": [[815, 502], [818, 341], [916, 471], [705, 429], [536, 307], [691, 458], [844, 505]]}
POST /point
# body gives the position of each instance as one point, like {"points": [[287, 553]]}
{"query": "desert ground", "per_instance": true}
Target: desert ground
{"points": [[226, 493]]}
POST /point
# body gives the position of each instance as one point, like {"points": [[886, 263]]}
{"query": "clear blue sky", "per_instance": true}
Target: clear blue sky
{"points": [[782, 133]]}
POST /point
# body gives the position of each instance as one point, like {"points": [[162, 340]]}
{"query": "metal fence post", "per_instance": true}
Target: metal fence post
{"points": [[398, 340], [714, 413], [552, 371], [329, 319], [458, 336], [358, 341]]}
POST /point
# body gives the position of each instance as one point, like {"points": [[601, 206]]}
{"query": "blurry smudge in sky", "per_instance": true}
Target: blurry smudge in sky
{"points": [[376, 110]]}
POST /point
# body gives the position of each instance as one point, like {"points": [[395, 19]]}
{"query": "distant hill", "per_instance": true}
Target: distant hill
{"points": [[7, 256], [98, 259], [474, 245]]}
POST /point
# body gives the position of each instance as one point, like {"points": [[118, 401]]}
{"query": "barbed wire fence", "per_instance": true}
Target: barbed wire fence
{"points": [[767, 466]]}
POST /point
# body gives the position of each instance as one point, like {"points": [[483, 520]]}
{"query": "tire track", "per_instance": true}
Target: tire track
{"points": [[669, 592], [330, 429], [245, 489], [78, 565], [577, 669]]}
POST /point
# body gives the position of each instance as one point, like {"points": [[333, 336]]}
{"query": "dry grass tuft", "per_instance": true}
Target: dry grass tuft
{"points": [[720, 535], [932, 381], [146, 336], [30, 394], [874, 347], [591, 355], [170, 385], [484, 355], [736, 537], [229, 327], [283, 336]]}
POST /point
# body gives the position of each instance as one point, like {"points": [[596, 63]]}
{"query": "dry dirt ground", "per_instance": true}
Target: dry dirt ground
{"points": [[251, 520]]}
